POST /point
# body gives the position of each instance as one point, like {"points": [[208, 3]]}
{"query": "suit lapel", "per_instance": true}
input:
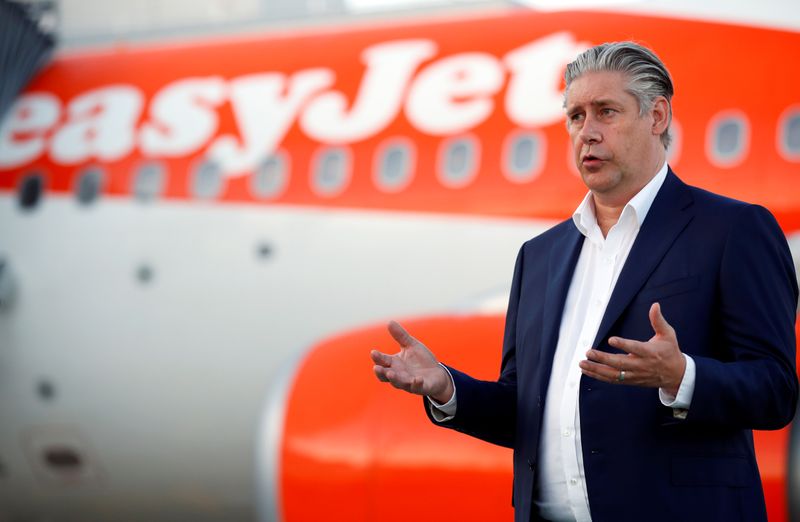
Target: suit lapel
{"points": [[561, 265], [667, 217]]}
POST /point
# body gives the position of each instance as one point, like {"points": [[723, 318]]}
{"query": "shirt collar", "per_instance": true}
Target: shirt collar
{"points": [[584, 216]]}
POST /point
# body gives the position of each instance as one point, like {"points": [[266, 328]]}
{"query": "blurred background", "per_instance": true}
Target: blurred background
{"points": [[87, 23], [209, 210]]}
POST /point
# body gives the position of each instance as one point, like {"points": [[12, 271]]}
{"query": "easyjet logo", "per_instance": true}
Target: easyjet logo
{"points": [[439, 97]]}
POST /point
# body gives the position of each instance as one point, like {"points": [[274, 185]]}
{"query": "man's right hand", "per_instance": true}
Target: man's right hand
{"points": [[415, 369]]}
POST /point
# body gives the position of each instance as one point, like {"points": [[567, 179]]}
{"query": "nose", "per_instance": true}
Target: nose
{"points": [[590, 133]]}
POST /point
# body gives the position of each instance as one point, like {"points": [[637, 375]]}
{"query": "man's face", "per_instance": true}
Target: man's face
{"points": [[617, 151]]}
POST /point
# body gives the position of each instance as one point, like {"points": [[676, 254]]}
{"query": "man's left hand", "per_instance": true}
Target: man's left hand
{"points": [[656, 363]]}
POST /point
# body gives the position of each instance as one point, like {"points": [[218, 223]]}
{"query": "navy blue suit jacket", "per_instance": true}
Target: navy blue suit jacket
{"points": [[723, 274]]}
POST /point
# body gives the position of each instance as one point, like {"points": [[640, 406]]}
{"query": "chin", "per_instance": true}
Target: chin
{"points": [[600, 182], [597, 178]]}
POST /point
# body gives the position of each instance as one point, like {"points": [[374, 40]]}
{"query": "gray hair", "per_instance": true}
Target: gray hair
{"points": [[648, 77]]}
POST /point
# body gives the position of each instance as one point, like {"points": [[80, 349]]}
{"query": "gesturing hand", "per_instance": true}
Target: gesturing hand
{"points": [[415, 369], [657, 363]]}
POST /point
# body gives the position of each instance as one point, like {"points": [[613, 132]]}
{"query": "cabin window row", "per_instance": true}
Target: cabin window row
{"points": [[331, 170], [457, 164]]}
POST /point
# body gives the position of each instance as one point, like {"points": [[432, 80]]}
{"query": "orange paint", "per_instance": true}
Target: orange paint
{"points": [[350, 443], [746, 76]]}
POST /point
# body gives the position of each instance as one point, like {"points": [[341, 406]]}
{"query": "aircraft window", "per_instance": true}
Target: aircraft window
{"points": [[728, 140], [144, 273], [30, 191], [270, 177], [207, 180], [90, 183], [331, 172], [148, 182], [790, 135], [523, 157], [45, 390], [394, 168], [63, 459], [458, 161], [8, 286], [264, 250]]}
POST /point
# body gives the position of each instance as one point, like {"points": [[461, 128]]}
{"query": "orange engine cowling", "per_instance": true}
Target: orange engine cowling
{"points": [[349, 446], [352, 445]]}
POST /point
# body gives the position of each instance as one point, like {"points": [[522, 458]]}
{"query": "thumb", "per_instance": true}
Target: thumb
{"points": [[658, 322], [403, 338]]}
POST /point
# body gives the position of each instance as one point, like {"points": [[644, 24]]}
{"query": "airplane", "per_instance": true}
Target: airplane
{"points": [[201, 240]]}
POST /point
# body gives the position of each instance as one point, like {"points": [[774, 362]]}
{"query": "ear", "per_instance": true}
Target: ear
{"points": [[660, 114]]}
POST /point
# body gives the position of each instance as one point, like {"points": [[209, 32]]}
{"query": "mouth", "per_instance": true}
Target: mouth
{"points": [[590, 160]]}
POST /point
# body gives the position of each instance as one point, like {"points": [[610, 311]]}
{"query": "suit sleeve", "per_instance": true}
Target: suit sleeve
{"points": [[754, 384], [487, 409]]}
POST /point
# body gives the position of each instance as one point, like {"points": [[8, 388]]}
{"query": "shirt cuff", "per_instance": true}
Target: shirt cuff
{"points": [[444, 412], [680, 403]]}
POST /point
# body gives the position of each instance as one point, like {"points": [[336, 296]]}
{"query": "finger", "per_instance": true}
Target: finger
{"points": [[616, 361], [380, 358], [392, 378], [400, 334], [602, 372], [380, 373], [628, 345], [416, 384], [657, 320], [400, 380], [595, 375]]}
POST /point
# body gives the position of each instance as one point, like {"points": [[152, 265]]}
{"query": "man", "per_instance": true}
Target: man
{"points": [[645, 337]]}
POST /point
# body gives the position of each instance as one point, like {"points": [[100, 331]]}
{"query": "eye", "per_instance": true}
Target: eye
{"points": [[606, 111], [576, 117]]}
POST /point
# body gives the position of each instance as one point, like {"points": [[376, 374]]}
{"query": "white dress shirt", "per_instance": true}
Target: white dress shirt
{"points": [[562, 494]]}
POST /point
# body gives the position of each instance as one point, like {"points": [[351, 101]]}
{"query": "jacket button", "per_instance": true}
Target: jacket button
{"points": [[531, 465]]}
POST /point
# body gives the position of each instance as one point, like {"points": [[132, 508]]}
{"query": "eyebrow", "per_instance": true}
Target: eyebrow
{"points": [[594, 103]]}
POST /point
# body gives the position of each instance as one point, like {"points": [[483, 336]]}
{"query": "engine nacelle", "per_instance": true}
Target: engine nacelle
{"points": [[336, 443]]}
